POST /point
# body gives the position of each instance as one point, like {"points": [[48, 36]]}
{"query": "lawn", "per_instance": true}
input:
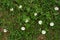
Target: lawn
{"points": [[25, 19]]}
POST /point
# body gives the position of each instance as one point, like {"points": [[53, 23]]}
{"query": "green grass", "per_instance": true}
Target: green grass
{"points": [[13, 21]]}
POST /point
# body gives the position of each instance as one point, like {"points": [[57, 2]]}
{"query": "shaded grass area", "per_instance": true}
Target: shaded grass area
{"points": [[13, 21]]}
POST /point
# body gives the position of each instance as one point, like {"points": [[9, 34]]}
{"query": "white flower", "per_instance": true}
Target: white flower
{"points": [[51, 24], [43, 32], [5, 30], [35, 14], [27, 20], [56, 8], [20, 6], [11, 9], [22, 28], [40, 22]]}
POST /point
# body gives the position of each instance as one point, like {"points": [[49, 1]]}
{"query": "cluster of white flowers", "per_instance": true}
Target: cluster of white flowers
{"points": [[12, 9], [39, 22], [35, 14]]}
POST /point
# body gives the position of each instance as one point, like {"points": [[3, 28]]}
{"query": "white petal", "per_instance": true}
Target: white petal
{"points": [[56, 8], [11, 9], [20, 6], [22, 28], [35, 14], [43, 32], [51, 24], [5, 30], [40, 22], [26, 20]]}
